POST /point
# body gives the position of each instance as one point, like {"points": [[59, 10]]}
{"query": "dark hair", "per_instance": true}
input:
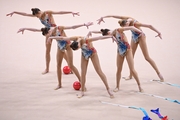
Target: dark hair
{"points": [[35, 11], [74, 45], [45, 30], [104, 31]]}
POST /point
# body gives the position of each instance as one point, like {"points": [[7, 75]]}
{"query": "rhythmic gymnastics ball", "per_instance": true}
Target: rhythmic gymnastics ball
{"points": [[76, 85], [66, 69]]}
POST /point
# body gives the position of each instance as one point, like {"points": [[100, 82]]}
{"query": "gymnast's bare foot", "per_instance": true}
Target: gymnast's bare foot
{"points": [[127, 78], [71, 72], [80, 95], [45, 71], [161, 77], [110, 93], [116, 89], [140, 89], [58, 87]]}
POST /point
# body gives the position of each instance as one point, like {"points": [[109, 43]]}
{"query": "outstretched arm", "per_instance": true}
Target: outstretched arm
{"points": [[77, 26], [150, 27], [131, 28], [99, 38], [64, 38], [90, 33], [101, 19], [63, 12], [116, 16], [20, 13], [30, 29]]}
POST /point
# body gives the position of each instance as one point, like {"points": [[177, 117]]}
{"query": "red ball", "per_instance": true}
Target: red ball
{"points": [[76, 85], [66, 69]]}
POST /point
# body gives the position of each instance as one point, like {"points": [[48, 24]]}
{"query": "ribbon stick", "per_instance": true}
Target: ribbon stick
{"points": [[156, 111], [167, 83], [168, 99], [146, 117]]}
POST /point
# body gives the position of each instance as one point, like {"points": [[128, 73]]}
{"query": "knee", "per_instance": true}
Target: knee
{"points": [[119, 70], [147, 58], [71, 66], [132, 70], [47, 52], [58, 65], [99, 71]]}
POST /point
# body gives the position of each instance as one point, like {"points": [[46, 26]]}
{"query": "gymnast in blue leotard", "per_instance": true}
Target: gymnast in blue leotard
{"points": [[123, 51]]}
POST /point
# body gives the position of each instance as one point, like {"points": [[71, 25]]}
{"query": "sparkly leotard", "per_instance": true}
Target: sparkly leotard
{"points": [[47, 21], [87, 51], [123, 46], [135, 35], [61, 43]]}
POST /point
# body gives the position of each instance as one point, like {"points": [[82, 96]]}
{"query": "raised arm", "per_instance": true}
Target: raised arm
{"points": [[77, 26], [101, 19], [62, 12], [150, 27], [131, 28], [20, 13], [116, 16], [95, 32], [29, 29]]}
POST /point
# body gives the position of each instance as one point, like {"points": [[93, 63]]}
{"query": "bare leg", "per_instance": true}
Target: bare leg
{"points": [[70, 63], [48, 57], [84, 64], [144, 50], [66, 58], [130, 62], [59, 56], [119, 63], [96, 64], [134, 48]]}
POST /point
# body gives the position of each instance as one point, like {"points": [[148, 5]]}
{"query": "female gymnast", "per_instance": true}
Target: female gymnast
{"points": [[123, 51], [137, 39], [47, 19]]}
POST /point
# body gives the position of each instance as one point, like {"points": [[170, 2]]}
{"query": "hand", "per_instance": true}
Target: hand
{"points": [[159, 35], [77, 13], [114, 39], [100, 20], [142, 33], [21, 30], [88, 24], [10, 14], [89, 34], [49, 41]]}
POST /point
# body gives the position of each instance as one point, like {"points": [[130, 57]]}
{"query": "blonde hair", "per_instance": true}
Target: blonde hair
{"points": [[122, 22]]}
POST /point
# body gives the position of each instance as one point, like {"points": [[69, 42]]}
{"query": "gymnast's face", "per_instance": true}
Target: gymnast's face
{"points": [[38, 15], [109, 32], [124, 23], [49, 33], [75, 45], [127, 23]]}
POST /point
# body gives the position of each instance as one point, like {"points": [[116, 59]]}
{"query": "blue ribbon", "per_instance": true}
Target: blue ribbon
{"points": [[167, 83], [146, 117], [168, 99]]}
